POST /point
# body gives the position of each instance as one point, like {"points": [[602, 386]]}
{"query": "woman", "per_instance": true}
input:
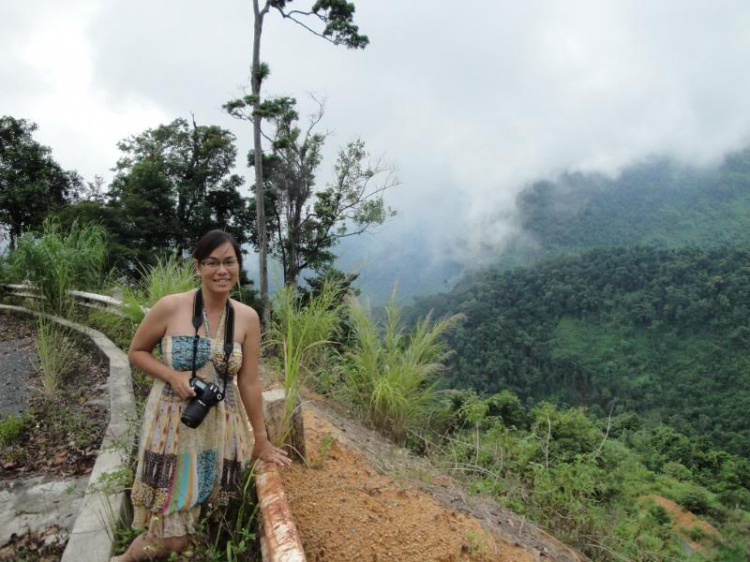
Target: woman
{"points": [[179, 466]]}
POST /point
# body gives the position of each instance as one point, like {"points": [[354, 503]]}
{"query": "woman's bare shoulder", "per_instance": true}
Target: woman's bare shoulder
{"points": [[245, 312], [171, 303]]}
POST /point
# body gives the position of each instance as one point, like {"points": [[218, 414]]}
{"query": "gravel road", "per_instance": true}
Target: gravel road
{"points": [[15, 364]]}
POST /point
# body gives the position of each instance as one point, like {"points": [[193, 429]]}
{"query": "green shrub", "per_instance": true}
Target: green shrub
{"points": [[507, 406], [696, 533], [695, 500], [5, 271], [677, 470], [566, 434], [391, 380], [660, 514], [11, 427], [57, 262]]}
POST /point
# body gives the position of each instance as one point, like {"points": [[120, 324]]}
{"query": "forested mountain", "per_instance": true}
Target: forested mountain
{"points": [[662, 332], [635, 293]]}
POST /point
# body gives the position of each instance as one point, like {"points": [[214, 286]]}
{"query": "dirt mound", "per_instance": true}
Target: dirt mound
{"points": [[346, 509], [683, 521]]}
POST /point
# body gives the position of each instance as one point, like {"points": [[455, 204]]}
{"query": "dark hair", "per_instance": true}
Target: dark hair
{"points": [[212, 240]]}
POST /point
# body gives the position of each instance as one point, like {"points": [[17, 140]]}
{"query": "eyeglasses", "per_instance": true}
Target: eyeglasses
{"points": [[230, 263]]}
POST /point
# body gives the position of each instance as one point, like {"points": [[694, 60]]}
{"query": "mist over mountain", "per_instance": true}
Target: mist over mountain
{"points": [[660, 202]]}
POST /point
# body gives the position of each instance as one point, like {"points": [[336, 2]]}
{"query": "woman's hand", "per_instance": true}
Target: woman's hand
{"points": [[270, 454], [180, 383]]}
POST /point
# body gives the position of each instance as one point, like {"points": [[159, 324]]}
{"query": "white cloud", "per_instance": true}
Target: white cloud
{"points": [[75, 117], [470, 101]]}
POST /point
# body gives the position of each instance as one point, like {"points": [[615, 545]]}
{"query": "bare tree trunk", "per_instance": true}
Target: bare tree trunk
{"points": [[259, 190], [291, 232]]}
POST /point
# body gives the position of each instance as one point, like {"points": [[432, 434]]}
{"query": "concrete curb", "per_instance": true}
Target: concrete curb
{"points": [[280, 539], [102, 508]]}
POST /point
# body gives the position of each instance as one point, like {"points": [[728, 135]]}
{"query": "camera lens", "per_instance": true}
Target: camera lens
{"points": [[194, 413]]}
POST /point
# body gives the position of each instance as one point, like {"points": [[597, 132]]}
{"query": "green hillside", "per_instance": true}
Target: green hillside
{"points": [[664, 332]]}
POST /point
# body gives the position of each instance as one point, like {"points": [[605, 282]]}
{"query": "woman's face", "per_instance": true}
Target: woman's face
{"points": [[219, 272]]}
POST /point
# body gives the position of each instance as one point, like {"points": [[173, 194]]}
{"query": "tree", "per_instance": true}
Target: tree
{"points": [[308, 223], [147, 224], [337, 20], [31, 182], [94, 191], [304, 223], [182, 174]]}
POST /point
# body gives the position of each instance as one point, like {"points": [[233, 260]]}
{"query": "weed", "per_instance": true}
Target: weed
{"points": [[472, 542], [115, 481], [221, 534], [228, 535], [323, 448], [122, 537], [169, 275], [301, 333], [11, 427]]}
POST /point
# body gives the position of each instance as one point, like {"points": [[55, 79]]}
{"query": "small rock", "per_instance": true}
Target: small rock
{"points": [[52, 539]]}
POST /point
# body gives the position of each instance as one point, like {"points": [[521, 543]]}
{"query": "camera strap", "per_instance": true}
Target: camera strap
{"points": [[228, 334]]}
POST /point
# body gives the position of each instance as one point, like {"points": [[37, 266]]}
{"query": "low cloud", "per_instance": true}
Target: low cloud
{"points": [[470, 102]]}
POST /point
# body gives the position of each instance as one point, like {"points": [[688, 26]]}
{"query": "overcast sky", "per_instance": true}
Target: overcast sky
{"points": [[468, 100]]}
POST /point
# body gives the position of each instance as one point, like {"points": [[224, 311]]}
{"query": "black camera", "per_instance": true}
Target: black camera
{"points": [[206, 395]]}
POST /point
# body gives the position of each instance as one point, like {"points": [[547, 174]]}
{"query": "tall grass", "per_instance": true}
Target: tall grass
{"points": [[300, 330], [390, 376], [56, 261], [169, 275], [56, 355]]}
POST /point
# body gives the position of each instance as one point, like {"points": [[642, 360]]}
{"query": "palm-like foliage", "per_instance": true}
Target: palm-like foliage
{"points": [[391, 379]]}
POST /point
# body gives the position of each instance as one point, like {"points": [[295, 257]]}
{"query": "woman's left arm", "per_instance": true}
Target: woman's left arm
{"points": [[251, 390]]}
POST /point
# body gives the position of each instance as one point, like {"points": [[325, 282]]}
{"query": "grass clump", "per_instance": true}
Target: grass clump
{"points": [[390, 378], [56, 355], [300, 330], [11, 427], [56, 261], [169, 275]]}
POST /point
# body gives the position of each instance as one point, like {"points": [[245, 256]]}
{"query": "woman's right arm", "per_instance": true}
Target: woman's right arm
{"points": [[152, 329]]}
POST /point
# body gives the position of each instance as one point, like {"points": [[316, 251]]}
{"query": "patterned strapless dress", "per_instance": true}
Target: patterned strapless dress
{"points": [[180, 468]]}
